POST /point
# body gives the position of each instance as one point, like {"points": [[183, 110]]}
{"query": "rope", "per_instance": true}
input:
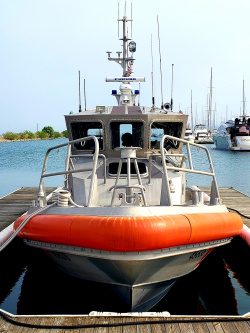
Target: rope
{"points": [[59, 198], [133, 323], [236, 211], [64, 197], [42, 209]]}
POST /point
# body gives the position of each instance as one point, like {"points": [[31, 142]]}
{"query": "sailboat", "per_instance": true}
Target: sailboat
{"points": [[125, 216]]}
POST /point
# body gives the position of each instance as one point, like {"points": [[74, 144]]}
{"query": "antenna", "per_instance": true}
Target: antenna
{"points": [[160, 61], [131, 19], [172, 85], [152, 77], [85, 95], [118, 19], [139, 95], [80, 107]]}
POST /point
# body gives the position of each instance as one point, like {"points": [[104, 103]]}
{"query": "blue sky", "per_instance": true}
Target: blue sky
{"points": [[45, 42]]}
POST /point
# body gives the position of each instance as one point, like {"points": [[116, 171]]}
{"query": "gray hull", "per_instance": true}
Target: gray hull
{"points": [[139, 279]]}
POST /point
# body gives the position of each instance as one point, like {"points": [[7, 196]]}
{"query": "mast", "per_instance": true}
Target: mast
{"points": [[210, 101], [244, 100], [191, 112], [126, 96]]}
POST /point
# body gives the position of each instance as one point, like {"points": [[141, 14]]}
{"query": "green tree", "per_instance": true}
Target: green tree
{"points": [[57, 135], [42, 134], [49, 130], [9, 136], [31, 135], [65, 134]]}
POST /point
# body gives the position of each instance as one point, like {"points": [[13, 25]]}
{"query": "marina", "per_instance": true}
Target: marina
{"points": [[131, 227], [127, 215]]}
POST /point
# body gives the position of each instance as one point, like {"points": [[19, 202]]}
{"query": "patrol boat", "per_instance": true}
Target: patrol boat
{"points": [[125, 216]]}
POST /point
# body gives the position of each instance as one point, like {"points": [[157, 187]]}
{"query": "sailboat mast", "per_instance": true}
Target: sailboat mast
{"points": [[244, 101], [210, 102], [191, 112]]}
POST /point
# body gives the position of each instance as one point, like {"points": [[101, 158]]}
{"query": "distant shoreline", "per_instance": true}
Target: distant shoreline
{"points": [[35, 139]]}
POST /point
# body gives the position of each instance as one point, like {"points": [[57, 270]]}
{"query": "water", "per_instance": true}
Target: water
{"points": [[21, 164], [32, 284]]}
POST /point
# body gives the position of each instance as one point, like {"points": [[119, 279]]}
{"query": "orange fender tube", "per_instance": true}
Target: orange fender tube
{"points": [[130, 234], [206, 227]]}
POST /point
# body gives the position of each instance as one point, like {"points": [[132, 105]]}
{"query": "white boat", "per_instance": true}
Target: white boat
{"points": [[189, 135], [233, 134], [125, 217], [202, 134]]}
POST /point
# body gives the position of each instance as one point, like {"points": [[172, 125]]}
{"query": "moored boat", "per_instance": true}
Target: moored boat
{"points": [[189, 135], [125, 216], [202, 134], [234, 133]]}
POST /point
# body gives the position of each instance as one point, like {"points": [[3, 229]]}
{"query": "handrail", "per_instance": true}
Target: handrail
{"points": [[214, 187], [159, 154], [128, 153], [67, 171]]}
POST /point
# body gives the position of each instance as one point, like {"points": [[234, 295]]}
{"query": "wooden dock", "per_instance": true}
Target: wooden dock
{"points": [[123, 324], [16, 203]]}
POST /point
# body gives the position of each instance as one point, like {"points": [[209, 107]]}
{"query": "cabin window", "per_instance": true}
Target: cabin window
{"points": [[135, 135], [158, 129], [83, 129]]}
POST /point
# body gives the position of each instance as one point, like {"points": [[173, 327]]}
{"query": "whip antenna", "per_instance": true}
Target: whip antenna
{"points": [[131, 19], [172, 85], [80, 107], [152, 76], [85, 95], [118, 20], [160, 61]]}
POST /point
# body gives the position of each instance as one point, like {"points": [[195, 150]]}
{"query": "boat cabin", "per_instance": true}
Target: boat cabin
{"points": [[109, 124]]}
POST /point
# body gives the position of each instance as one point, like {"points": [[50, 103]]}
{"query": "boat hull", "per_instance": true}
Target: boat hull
{"points": [[138, 256], [140, 279], [239, 143]]}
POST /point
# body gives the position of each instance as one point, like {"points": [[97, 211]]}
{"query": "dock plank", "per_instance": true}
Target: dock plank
{"points": [[16, 203], [129, 324]]}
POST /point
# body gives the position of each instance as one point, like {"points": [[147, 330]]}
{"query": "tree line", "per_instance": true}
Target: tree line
{"points": [[46, 133]]}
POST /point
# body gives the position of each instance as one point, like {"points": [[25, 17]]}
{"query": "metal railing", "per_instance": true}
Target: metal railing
{"points": [[66, 172], [214, 198], [128, 154]]}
